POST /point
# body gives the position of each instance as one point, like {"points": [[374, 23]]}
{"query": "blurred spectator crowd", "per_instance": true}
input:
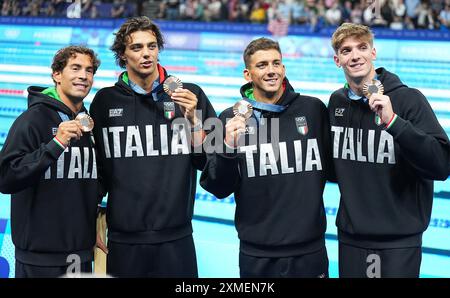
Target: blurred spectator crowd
{"points": [[278, 14], [71, 9]]}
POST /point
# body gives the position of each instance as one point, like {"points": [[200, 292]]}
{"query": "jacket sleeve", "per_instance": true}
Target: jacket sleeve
{"points": [[422, 140], [95, 113], [327, 144], [25, 157], [221, 175], [207, 111]]}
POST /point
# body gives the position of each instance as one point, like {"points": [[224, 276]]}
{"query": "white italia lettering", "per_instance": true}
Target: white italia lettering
{"points": [[133, 137], [80, 165], [116, 139], [285, 169], [48, 173], [386, 142], [60, 165], [371, 145], [249, 150], [298, 155], [359, 154], [179, 134], [164, 143], [364, 144], [94, 164], [106, 142], [75, 164], [129, 139], [313, 149], [151, 151], [348, 149], [337, 136], [86, 173], [267, 160]]}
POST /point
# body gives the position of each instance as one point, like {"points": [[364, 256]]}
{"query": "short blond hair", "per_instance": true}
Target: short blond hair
{"points": [[347, 30]]}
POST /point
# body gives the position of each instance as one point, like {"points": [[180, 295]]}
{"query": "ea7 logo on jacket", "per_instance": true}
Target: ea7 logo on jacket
{"points": [[339, 112], [82, 164], [359, 145], [115, 113], [302, 126]]}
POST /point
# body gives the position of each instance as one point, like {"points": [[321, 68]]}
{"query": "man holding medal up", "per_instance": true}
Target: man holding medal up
{"points": [[276, 160], [148, 127], [48, 164], [387, 147]]}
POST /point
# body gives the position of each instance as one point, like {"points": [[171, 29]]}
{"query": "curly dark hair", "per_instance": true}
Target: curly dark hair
{"points": [[130, 26], [63, 55], [257, 45]]}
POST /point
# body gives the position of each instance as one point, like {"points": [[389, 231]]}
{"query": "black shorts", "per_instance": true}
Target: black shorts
{"points": [[32, 271], [169, 259], [369, 263], [308, 266]]}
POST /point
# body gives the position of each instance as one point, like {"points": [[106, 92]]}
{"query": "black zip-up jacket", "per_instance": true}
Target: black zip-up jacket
{"points": [[279, 201], [386, 176], [54, 192], [150, 183]]}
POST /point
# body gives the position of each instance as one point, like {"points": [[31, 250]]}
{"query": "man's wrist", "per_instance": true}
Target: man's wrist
{"points": [[391, 121], [228, 145], [60, 143], [196, 127]]}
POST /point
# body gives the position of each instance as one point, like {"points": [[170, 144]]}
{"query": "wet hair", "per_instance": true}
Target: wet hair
{"points": [[346, 30], [130, 26], [259, 44], [63, 55]]}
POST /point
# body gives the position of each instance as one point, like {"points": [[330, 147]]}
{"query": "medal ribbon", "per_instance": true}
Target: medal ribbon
{"points": [[265, 106]]}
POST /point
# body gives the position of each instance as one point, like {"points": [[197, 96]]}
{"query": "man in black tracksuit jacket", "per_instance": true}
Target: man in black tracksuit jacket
{"points": [[387, 151], [146, 160], [277, 182], [49, 167]]}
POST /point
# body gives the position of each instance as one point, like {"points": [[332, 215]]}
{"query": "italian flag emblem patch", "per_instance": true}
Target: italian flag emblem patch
{"points": [[302, 125], [169, 110]]}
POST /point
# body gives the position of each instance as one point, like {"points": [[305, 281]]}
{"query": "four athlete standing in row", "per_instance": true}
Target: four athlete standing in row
{"points": [[275, 150]]}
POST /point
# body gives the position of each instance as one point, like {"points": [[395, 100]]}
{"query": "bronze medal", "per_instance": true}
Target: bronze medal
{"points": [[171, 84], [87, 123], [372, 87], [243, 108]]}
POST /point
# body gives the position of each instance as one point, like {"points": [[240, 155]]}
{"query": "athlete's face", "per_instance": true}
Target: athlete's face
{"points": [[266, 71], [356, 57], [141, 54], [75, 81]]}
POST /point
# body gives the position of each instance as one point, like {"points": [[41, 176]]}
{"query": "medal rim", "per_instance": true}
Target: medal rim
{"points": [[377, 84], [84, 128], [249, 112], [170, 80]]}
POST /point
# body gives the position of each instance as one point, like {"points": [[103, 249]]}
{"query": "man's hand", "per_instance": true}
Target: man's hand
{"points": [[234, 128], [100, 244], [68, 130], [187, 102], [381, 104]]}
